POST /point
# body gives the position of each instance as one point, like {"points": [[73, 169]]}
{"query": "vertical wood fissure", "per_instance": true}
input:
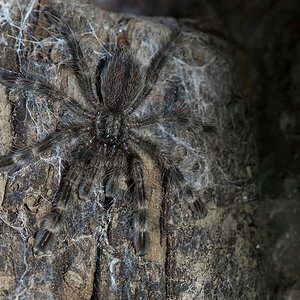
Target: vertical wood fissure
{"points": [[96, 277]]}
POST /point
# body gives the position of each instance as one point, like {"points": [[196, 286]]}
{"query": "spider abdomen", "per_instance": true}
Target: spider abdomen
{"points": [[121, 79]]}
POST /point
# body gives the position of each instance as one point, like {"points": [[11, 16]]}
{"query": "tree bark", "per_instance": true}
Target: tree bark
{"points": [[218, 257]]}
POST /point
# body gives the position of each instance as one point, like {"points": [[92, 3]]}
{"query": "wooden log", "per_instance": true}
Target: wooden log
{"points": [[217, 257]]}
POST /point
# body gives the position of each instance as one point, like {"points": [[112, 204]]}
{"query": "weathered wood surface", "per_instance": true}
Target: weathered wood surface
{"points": [[217, 257]]}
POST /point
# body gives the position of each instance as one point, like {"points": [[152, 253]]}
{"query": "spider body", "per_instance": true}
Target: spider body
{"points": [[106, 136], [119, 80]]}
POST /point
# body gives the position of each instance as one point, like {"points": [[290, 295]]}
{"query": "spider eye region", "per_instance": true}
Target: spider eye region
{"points": [[110, 128]]}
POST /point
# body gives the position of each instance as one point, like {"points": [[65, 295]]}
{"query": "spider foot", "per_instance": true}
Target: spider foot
{"points": [[6, 162], [14, 161], [195, 204], [198, 207], [45, 237], [141, 243], [43, 242]]}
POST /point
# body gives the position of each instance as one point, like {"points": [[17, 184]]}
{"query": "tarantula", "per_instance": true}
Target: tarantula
{"points": [[107, 134]]}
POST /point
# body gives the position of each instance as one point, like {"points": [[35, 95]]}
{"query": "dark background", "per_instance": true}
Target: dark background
{"points": [[268, 33]]}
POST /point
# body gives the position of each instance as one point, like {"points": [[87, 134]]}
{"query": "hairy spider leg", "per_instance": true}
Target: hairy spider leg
{"points": [[179, 115], [17, 159], [155, 66], [27, 82], [141, 238], [117, 167], [99, 69], [92, 176], [113, 166], [53, 221], [182, 118], [171, 172], [77, 62]]}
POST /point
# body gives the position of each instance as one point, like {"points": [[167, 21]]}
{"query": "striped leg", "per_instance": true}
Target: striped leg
{"points": [[77, 63], [22, 81], [156, 64], [182, 116], [53, 221], [141, 227], [91, 177], [117, 168], [172, 173], [15, 160]]}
